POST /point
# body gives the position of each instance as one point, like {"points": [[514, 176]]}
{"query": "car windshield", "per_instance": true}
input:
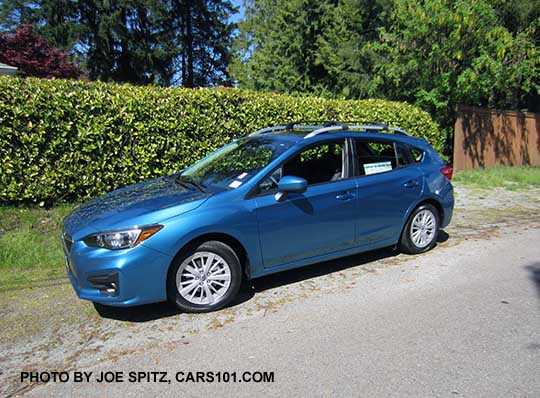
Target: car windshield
{"points": [[234, 164]]}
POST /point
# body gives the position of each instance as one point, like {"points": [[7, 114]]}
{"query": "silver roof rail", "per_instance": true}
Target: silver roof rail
{"points": [[325, 130], [368, 127], [399, 131], [335, 126], [267, 130]]}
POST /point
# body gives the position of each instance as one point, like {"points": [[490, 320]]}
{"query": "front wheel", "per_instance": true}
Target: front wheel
{"points": [[420, 232], [205, 278]]}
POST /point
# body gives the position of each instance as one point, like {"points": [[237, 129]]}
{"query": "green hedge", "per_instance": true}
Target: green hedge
{"points": [[71, 140]]}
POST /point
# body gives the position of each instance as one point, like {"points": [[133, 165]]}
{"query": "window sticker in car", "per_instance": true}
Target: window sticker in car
{"points": [[235, 184], [379, 167], [242, 176]]}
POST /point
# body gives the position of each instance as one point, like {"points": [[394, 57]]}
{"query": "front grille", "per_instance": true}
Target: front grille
{"points": [[68, 242]]}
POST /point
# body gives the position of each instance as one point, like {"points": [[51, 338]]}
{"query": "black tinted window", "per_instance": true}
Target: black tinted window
{"points": [[404, 156], [317, 164], [417, 154], [375, 157]]}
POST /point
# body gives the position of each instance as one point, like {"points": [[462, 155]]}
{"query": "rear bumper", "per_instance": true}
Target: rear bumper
{"points": [[139, 275]]}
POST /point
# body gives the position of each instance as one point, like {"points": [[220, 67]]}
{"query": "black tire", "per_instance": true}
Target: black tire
{"points": [[406, 243], [228, 255]]}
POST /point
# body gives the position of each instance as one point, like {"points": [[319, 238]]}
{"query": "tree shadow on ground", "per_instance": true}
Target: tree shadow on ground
{"points": [[149, 312]]}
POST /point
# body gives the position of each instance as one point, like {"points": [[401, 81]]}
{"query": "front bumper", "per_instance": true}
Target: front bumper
{"points": [[117, 277]]}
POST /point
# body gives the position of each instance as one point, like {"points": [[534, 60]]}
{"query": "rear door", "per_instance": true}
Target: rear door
{"points": [[316, 222], [388, 184]]}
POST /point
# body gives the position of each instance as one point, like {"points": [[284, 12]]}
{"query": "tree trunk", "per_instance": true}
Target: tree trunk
{"points": [[190, 81]]}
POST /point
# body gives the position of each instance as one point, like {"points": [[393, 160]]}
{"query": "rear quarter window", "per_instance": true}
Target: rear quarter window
{"points": [[417, 154]]}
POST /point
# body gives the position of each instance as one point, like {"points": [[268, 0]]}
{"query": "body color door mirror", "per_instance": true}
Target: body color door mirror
{"points": [[290, 184]]}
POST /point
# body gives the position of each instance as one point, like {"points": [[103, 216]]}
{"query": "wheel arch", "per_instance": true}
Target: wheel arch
{"points": [[422, 201], [435, 203], [227, 239]]}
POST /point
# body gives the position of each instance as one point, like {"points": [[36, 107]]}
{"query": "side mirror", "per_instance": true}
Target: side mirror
{"points": [[290, 184]]}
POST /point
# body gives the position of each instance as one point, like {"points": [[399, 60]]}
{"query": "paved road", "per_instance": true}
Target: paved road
{"points": [[461, 321]]}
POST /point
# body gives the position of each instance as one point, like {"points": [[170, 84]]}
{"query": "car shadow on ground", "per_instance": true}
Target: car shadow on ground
{"points": [[534, 271], [534, 275], [150, 312]]}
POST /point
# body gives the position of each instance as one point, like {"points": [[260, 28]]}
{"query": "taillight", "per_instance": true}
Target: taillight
{"points": [[447, 171]]}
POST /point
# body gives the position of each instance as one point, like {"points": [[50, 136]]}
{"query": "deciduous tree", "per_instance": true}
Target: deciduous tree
{"points": [[34, 56]]}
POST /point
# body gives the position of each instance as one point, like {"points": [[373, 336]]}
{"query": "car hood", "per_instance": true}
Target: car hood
{"points": [[148, 202]]}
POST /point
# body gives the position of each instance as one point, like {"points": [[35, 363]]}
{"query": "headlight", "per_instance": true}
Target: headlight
{"points": [[121, 239]]}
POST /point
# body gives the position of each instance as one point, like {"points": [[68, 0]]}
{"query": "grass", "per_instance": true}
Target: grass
{"points": [[511, 178], [30, 247]]}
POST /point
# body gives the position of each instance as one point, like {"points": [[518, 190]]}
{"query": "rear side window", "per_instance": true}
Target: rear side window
{"points": [[375, 157], [404, 156], [380, 157]]}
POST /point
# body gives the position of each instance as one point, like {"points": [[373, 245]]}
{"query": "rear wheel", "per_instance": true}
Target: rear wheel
{"points": [[420, 232], [205, 278]]}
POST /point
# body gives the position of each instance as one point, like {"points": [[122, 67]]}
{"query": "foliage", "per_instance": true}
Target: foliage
{"points": [[34, 56], [71, 140], [441, 53], [136, 41], [433, 53]]}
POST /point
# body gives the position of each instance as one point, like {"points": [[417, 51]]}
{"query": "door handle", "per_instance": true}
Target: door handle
{"points": [[411, 184], [345, 196]]}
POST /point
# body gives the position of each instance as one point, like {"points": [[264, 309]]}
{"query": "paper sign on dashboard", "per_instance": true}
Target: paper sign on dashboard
{"points": [[379, 167]]}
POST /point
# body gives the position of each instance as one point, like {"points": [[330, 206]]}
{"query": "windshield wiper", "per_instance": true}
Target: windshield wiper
{"points": [[186, 182]]}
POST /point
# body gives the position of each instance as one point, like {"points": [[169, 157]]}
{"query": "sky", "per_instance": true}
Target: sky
{"points": [[240, 14]]}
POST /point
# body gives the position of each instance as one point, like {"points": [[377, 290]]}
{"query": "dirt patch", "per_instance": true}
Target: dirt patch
{"points": [[48, 328]]}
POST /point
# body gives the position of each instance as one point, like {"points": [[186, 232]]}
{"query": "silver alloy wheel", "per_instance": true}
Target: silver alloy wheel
{"points": [[423, 228], [203, 278]]}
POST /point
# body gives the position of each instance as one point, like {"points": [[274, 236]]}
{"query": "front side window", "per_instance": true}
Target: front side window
{"points": [[317, 164], [234, 164]]}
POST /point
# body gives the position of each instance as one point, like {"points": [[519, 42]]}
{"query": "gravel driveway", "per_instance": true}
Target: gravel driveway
{"points": [[463, 319]]}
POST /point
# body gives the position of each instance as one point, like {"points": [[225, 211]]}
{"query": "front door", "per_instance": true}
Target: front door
{"points": [[316, 222]]}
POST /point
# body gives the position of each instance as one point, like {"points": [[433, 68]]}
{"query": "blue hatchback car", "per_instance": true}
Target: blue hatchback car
{"points": [[281, 198]]}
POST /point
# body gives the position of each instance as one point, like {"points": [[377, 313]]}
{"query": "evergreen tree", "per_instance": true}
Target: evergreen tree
{"points": [[128, 41], [307, 45], [15, 13], [204, 39], [137, 41]]}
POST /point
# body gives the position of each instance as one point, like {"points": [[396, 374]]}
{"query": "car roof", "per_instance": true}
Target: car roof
{"points": [[294, 136]]}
